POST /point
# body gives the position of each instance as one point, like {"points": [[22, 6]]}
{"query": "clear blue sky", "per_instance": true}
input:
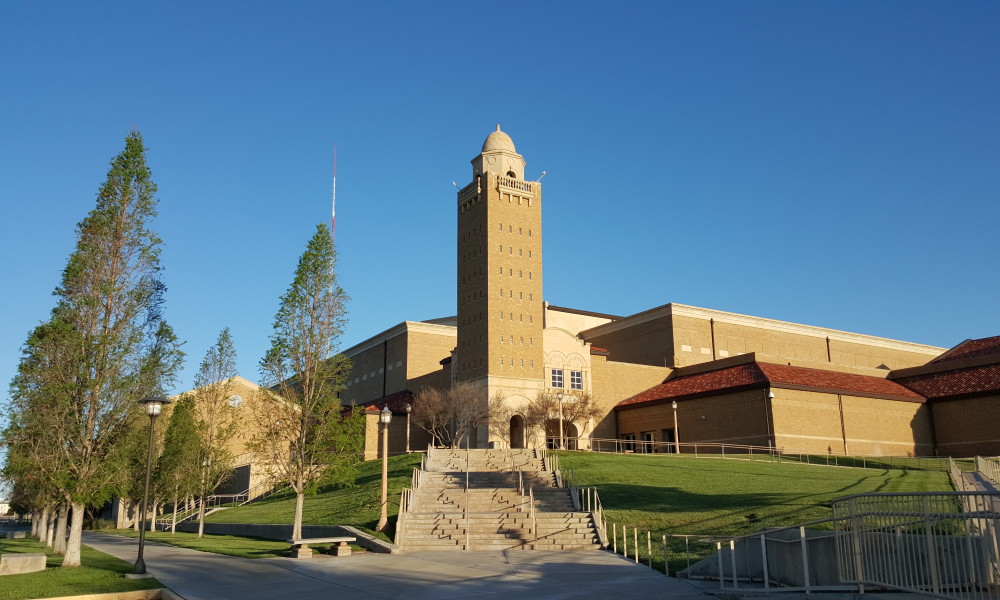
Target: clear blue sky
{"points": [[828, 163]]}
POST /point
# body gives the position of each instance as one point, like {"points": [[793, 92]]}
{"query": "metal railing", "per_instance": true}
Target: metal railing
{"points": [[988, 468], [939, 543], [958, 480]]}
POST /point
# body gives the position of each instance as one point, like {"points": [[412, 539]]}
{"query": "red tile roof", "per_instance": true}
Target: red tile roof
{"points": [[981, 380], [757, 374], [397, 402], [868, 385], [971, 349]]}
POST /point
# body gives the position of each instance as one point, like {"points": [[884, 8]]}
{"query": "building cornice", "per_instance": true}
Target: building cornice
{"points": [[719, 316]]}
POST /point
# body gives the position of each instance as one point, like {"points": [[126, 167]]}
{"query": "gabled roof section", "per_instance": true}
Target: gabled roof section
{"points": [[754, 374], [971, 349]]}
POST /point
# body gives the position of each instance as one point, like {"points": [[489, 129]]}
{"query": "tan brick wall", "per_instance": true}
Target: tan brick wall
{"points": [[684, 336], [613, 382], [811, 422], [649, 343], [736, 418], [968, 427], [424, 353], [409, 360]]}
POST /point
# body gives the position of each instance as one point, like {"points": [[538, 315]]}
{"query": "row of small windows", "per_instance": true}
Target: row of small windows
{"points": [[365, 377], [531, 340], [517, 362], [475, 231], [476, 318], [575, 379], [510, 250], [520, 295], [478, 294], [510, 200], [520, 317], [510, 229], [475, 275], [473, 253], [520, 273], [472, 364]]}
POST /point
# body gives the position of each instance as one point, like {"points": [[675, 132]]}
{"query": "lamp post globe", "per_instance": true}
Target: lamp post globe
{"points": [[154, 406]]}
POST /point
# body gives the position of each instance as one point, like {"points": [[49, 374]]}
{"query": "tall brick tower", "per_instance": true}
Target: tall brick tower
{"points": [[500, 275]]}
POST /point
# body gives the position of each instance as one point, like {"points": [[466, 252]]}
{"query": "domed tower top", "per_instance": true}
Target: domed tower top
{"points": [[498, 140], [499, 156]]}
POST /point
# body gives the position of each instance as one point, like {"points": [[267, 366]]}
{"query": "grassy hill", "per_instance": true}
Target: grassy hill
{"points": [[660, 493], [670, 494]]}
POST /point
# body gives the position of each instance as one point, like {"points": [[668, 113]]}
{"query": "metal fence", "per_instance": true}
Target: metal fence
{"points": [[939, 543]]}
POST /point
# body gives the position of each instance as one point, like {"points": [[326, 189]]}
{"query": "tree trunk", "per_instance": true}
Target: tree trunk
{"points": [[52, 529], [36, 517], [201, 517], [72, 556], [297, 523], [43, 525], [59, 542], [173, 517]]}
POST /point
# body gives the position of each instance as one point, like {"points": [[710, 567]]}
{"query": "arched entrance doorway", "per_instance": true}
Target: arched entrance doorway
{"points": [[517, 431], [569, 434]]}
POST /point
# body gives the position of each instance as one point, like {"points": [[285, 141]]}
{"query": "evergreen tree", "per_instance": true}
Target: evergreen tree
{"points": [[304, 433]]}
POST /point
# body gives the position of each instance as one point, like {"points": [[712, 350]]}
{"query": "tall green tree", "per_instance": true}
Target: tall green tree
{"points": [[178, 468], [112, 297], [216, 419], [302, 431]]}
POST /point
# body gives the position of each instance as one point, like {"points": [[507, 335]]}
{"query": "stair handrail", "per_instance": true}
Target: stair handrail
{"points": [[988, 468], [520, 482], [534, 525], [404, 501], [467, 468], [957, 478], [596, 510]]}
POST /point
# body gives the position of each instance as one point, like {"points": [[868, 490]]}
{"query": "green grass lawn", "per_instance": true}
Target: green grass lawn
{"points": [[668, 494], [663, 494], [356, 506], [100, 574], [243, 547]]}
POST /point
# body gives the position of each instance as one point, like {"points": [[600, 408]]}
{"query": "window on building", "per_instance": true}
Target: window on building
{"points": [[557, 378], [647, 442], [576, 380]]}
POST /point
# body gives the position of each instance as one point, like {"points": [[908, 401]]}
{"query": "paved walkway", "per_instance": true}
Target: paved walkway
{"points": [[484, 575]]}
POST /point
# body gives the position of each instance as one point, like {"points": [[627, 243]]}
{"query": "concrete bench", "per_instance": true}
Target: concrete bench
{"points": [[26, 562], [17, 535], [301, 549]]}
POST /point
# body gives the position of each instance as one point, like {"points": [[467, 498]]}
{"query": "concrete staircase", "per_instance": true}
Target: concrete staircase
{"points": [[491, 500]]}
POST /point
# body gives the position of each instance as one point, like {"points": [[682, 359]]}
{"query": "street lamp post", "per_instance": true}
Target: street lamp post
{"points": [[409, 409], [677, 437], [562, 438], [154, 405], [384, 417]]}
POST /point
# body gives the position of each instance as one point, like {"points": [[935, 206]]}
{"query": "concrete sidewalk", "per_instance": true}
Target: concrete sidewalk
{"points": [[484, 575]]}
